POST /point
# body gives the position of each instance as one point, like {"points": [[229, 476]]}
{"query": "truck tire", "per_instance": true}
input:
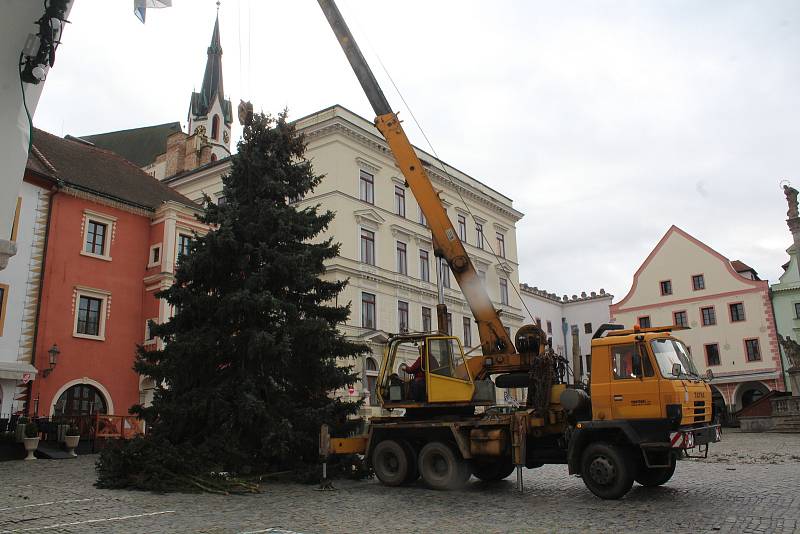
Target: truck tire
{"points": [[390, 462], [442, 467], [606, 470], [493, 470], [411, 455], [651, 477]]}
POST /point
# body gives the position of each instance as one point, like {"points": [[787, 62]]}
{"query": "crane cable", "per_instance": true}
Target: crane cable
{"points": [[441, 163]]}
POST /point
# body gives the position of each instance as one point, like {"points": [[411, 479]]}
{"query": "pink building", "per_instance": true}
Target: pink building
{"points": [[113, 237], [724, 304]]}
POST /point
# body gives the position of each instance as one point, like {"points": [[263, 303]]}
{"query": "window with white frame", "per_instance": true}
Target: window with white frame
{"points": [[462, 228], [184, 245], [422, 219], [479, 239], [149, 338], [467, 339], [367, 247], [90, 313], [503, 291], [402, 258], [424, 266], [501, 244], [367, 187], [97, 232], [400, 201], [155, 256]]}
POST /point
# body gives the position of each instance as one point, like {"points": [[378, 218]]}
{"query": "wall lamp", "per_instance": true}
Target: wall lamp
{"points": [[53, 355]]}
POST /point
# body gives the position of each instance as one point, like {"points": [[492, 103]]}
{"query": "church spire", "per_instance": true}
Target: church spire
{"points": [[210, 113], [212, 79]]}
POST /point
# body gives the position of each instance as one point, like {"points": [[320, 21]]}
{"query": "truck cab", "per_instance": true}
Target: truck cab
{"points": [[646, 397], [647, 374]]}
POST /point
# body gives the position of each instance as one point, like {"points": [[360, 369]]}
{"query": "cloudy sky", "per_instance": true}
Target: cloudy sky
{"points": [[605, 121]]}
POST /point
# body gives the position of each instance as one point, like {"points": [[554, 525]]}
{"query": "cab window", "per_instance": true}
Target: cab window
{"points": [[445, 358], [630, 363]]}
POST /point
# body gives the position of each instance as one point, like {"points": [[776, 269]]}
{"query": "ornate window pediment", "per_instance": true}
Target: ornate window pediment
{"points": [[503, 268], [369, 218], [368, 166]]}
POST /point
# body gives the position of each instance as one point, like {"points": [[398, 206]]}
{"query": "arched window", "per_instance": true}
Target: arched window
{"points": [[81, 399], [371, 370], [213, 157], [215, 128]]}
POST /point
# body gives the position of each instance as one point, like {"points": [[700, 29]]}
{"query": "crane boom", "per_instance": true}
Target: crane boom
{"points": [[494, 337]]}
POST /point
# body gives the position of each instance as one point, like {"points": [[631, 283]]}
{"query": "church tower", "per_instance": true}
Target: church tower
{"points": [[210, 114]]}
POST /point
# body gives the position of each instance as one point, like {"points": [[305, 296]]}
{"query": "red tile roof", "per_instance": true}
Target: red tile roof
{"points": [[100, 171]]}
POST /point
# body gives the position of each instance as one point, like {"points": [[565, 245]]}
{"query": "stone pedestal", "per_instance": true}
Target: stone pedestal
{"points": [[794, 381]]}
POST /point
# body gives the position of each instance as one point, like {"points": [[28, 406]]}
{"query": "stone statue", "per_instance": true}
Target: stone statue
{"points": [[791, 199], [792, 350]]}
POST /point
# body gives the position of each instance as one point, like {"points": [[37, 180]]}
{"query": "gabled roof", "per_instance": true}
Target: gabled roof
{"points": [[675, 230], [139, 145], [212, 82], [741, 267], [99, 171]]}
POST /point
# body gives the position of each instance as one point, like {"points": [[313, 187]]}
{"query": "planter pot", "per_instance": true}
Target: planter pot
{"points": [[31, 444], [19, 432], [71, 442]]}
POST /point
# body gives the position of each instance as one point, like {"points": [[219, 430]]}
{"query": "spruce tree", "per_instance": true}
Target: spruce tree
{"points": [[252, 354]]}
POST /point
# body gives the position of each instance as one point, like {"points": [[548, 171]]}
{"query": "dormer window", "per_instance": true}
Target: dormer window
{"points": [[215, 128]]}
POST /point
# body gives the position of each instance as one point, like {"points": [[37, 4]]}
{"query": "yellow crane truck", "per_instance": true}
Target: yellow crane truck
{"points": [[644, 406]]}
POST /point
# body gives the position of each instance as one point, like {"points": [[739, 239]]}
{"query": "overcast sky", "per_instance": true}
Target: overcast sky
{"points": [[605, 121]]}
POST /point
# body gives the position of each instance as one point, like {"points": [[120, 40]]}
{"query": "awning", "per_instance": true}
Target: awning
{"points": [[16, 370]]}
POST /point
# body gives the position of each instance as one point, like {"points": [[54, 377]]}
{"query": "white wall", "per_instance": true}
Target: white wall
{"points": [[22, 282]]}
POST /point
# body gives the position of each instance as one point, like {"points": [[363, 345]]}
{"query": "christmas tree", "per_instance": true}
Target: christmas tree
{"points": [[252, 355]]}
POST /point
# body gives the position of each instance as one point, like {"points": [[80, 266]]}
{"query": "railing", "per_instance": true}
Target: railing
{"points": [[786, 406]]}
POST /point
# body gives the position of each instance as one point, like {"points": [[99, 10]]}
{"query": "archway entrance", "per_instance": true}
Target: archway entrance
{"points": [[750, 392], [81, 399]]}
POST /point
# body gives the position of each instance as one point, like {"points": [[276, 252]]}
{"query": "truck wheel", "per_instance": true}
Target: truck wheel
{"points": [[493, 470], [442, 467], [390, 462], [606, 470], [655, 476], [411, 455]]}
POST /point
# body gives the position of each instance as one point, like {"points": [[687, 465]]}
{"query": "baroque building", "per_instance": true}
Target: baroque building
{"points": [[725, 307], [386, 250]]}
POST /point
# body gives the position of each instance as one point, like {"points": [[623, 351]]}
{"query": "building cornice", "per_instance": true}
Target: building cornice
{"points": [[541, 293], [333, 123]]}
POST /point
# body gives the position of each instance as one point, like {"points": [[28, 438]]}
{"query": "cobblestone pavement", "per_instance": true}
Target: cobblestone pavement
{"points": [[751, 483]]}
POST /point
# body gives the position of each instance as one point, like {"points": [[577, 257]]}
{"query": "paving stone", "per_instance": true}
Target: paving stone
{"points": [[750, 483]]}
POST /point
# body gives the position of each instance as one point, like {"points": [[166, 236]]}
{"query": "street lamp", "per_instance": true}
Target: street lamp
{"points": [[53, 354]]}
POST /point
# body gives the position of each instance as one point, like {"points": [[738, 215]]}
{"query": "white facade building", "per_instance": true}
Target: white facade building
{"points": [[386, 251], [569, 322], [19, 292]]}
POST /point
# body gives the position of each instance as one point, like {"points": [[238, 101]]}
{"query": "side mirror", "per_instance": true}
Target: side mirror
{"points": [[676, 369], [709, 374]]}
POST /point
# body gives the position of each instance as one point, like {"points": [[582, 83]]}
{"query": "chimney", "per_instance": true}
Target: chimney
{"points": [[176, 154]]}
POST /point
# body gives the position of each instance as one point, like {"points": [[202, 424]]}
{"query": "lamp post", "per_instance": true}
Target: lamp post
{"points": [[53, 359]]}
